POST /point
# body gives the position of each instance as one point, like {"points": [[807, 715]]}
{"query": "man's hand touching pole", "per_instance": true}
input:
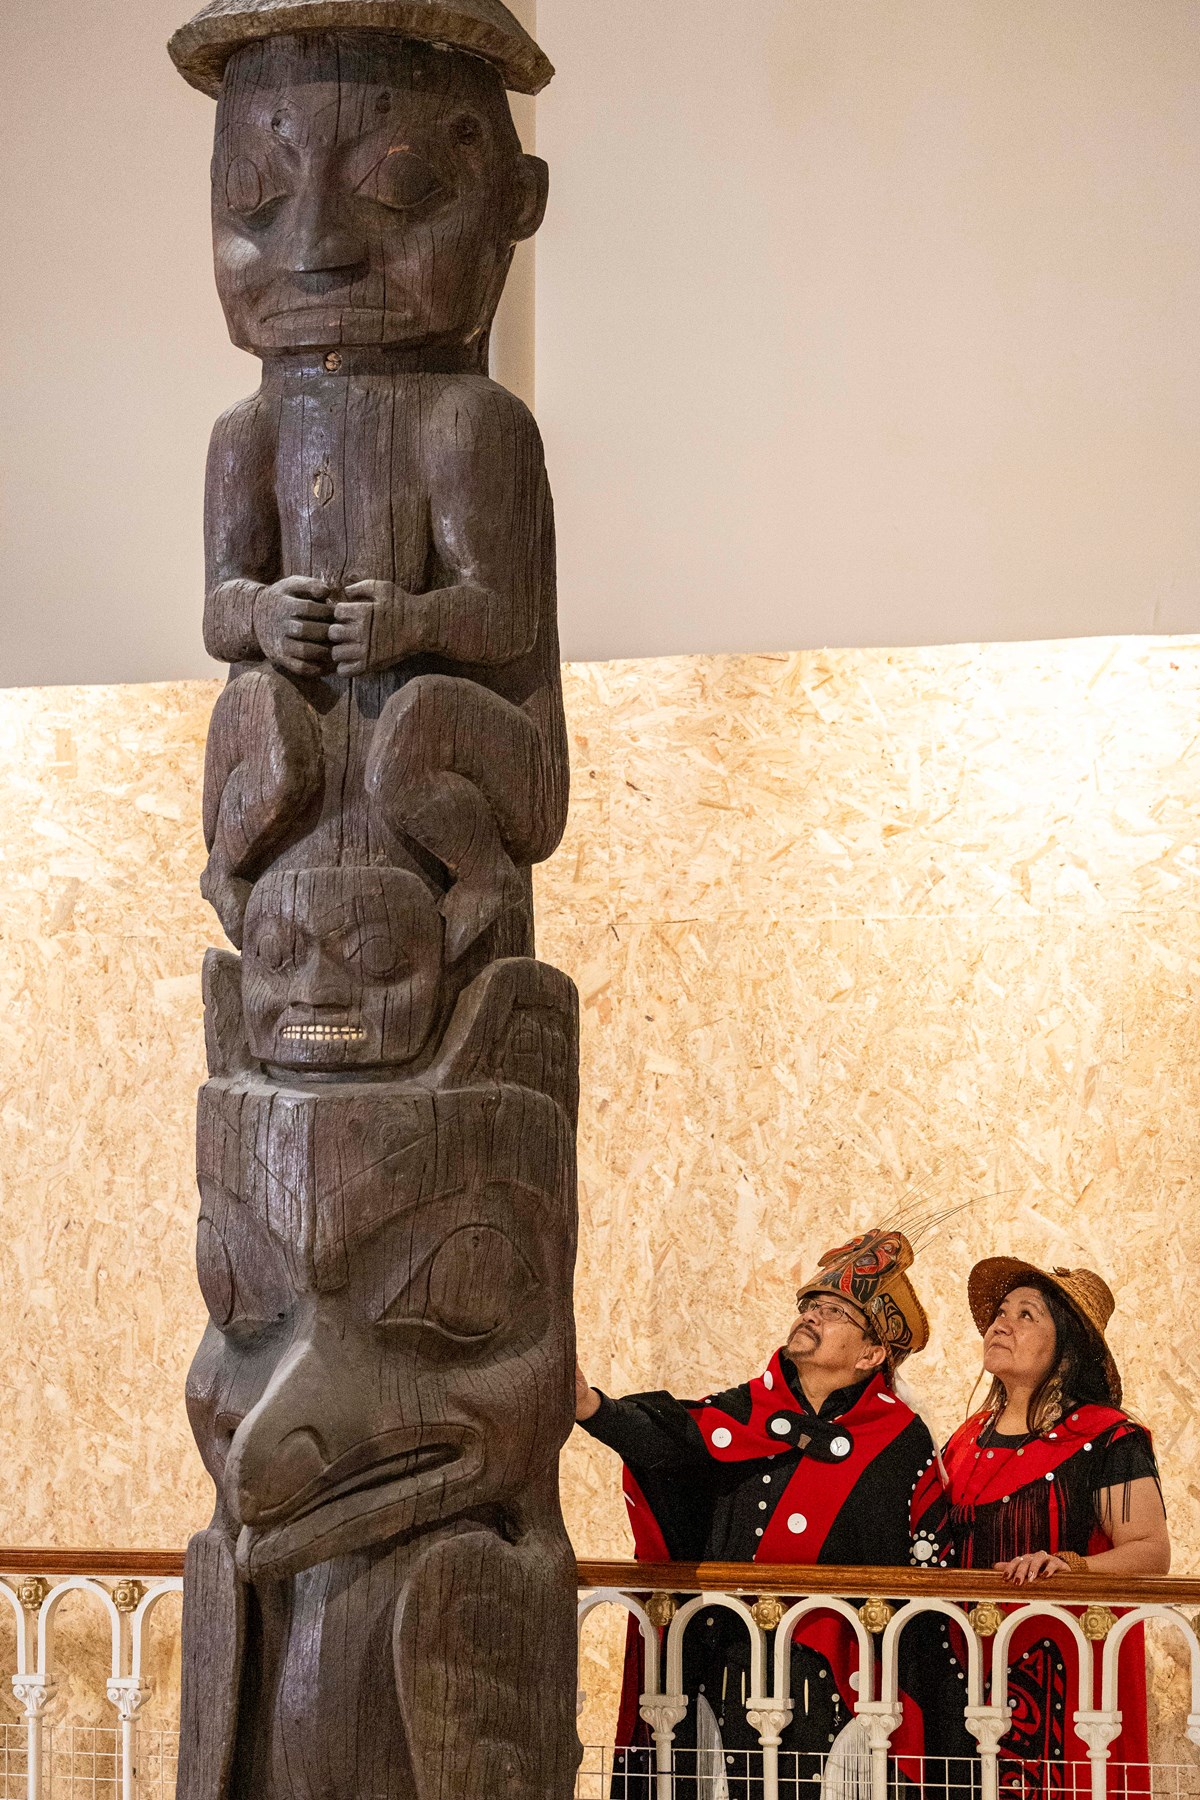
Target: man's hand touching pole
{"points": [[587, 1400]]}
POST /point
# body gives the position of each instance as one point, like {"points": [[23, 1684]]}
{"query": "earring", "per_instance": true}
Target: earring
{"points": [[1052, 1403]]}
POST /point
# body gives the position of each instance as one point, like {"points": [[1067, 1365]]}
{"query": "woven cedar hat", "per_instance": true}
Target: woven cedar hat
{"points": [[870, 1272], [483, 28], [1089, 1298]]}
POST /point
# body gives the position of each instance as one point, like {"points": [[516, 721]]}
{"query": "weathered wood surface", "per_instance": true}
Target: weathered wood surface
{"points": [[383, 1604]]}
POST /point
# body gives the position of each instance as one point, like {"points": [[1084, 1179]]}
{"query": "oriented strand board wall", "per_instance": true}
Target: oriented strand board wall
{"points": [[843, 923]]}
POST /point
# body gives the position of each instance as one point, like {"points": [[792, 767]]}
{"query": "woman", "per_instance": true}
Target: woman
{"points": [[1051, 1477]]}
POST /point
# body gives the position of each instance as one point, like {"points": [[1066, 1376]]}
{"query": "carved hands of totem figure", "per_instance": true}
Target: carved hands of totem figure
{"points": [[290, 621]]}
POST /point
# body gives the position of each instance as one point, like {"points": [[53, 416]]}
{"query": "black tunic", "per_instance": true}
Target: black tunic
{"points": [[703, 1508]]}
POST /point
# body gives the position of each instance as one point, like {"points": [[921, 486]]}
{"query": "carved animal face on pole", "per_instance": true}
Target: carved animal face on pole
{"points": [[388, 221], [383, 1343], [340, 968]]}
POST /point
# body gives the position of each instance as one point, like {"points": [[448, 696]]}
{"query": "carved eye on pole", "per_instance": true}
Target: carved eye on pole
{"points": [[242, 1275], [276, 946], [402, 181], [476, 1279], [251, 196], [381, 954], [243, 185], [475, 1283]]}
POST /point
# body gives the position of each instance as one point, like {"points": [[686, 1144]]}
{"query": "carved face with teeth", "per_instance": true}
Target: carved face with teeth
{"points": [[340, 968]]}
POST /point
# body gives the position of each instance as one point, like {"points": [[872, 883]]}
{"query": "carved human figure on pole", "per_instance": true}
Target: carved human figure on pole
{"points": [[378, 525], [383, 1603]]}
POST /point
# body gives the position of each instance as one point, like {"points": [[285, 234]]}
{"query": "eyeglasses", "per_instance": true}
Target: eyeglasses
{"points": [[827, 1309]]}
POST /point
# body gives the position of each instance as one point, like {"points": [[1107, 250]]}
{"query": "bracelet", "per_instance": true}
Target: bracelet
{"points": [[1077, 1564]]}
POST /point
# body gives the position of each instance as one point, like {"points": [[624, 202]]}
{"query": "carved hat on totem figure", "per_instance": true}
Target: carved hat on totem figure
{"points": [[485, 28], [870, 1272]]}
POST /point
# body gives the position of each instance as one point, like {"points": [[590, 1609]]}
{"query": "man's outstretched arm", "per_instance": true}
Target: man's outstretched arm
{"points": [[654, 1434]]}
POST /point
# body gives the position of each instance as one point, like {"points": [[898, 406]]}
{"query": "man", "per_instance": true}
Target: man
{"points": [[813, 1461]]}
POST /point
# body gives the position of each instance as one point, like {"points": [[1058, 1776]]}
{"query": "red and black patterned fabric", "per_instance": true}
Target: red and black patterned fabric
{"points": [[1003, 1497], [754, 1474]]}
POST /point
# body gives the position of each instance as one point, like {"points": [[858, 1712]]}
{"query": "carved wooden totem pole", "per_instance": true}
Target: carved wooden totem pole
{"points": [[382, 1607]]}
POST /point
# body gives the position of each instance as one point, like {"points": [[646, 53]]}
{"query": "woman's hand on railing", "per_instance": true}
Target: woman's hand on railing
{"points": [[1033, 1567], [587, 1400]]}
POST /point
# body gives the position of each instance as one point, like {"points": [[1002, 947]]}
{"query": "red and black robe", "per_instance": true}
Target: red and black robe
{"points": [[754, 1474], [1004, 1497]]}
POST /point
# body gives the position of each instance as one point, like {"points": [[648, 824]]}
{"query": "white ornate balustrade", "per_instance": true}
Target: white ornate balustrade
{"points": [[41, 1757], [124, 1589], [879, 1605]]}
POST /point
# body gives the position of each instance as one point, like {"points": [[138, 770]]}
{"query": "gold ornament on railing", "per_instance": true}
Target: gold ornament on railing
{"points": [[767, 1612], [876, 1614], [661, 1609], [31, 1591], [986, 1618], [1097, 1622], [127, 1595]]}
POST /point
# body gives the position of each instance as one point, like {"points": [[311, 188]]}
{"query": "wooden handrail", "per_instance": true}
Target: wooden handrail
{"points": [[685, 1578], [153, 1564], [890, 1584]]}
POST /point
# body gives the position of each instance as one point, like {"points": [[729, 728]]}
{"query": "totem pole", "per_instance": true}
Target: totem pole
{"points": [[383, 1605]]}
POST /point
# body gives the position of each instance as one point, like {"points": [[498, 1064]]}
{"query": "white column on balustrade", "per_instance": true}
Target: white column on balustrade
{"points": [[30, 1690]]}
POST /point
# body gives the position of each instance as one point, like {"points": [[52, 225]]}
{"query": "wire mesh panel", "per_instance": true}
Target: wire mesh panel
{"points": [[737, 1775], [82, 1762], [13, 1765], [157, 1759]]}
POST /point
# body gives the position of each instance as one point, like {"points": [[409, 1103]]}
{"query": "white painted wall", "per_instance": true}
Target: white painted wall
{"points": [[858, 321], [871, 321]]}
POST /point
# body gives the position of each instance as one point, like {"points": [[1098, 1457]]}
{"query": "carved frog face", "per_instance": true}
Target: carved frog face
{"points": [[367, 190], [340, 968]]}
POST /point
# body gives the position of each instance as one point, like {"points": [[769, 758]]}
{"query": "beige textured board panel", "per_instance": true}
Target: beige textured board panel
{"points": [[843, 924], [102, 935], [1014, 779]]}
